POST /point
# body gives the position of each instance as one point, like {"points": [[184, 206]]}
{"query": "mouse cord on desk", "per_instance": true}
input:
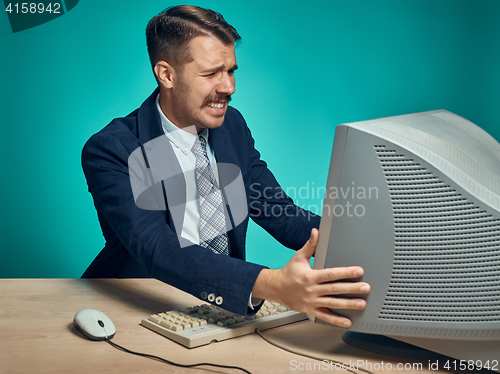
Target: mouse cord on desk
{"points": [[309, 356], [119, 347]]}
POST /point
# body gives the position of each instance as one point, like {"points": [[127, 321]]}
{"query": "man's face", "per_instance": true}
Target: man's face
{"points": [[203, 88]]}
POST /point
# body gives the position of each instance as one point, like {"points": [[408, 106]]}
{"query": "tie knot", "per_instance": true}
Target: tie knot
{"points": [[200, 146], [202, 140]]}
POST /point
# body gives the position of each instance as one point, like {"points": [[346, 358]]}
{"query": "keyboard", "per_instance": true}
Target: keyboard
{"points": [[203, 324]]}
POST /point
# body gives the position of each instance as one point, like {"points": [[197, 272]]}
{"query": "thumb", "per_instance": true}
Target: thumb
{"points": [[307, 251]]}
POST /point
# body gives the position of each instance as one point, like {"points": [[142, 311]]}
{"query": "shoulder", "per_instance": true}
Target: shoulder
{"points": [[237, 129], [235, 124], [120, 127], [120, 131], [233, 118], [233, 114]]}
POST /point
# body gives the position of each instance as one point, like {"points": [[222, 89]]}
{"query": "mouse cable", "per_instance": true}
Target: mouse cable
{"points": [[119, 347], [309, 356]]}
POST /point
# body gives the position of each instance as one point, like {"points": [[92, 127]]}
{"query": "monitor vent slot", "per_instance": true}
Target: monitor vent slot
{"points": [[447, 249]]}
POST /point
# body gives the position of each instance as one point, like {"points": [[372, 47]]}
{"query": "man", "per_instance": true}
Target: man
{"points": [[184, 230]]}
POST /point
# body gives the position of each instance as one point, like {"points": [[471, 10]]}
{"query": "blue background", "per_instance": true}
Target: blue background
{"points": [[304, 67]]}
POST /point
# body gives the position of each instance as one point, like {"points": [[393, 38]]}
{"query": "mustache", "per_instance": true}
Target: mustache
{"points": [[218, 99]]}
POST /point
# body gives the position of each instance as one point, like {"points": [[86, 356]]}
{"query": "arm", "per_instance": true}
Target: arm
{"points": [[308, 290]]}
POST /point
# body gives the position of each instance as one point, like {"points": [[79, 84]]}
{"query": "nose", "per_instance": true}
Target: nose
{"points": [[227, 84]]}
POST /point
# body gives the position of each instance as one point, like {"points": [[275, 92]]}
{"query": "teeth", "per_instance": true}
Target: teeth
{"points": [[216, 105]]}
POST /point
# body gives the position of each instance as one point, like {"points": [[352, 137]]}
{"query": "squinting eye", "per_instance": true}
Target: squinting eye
{"points": [[209, 74]]}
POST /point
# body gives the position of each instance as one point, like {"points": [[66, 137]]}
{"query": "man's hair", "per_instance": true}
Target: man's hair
{"points": [[169, 33]]}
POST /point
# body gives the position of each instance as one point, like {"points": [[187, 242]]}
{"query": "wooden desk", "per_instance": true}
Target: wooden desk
{"points": [[37, 335]]}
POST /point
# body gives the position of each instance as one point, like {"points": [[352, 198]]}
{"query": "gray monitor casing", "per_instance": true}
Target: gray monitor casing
{"points": [[415, 201]]}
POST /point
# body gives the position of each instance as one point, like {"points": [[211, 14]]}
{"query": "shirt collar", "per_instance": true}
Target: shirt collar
{"points": [[181, 139]]}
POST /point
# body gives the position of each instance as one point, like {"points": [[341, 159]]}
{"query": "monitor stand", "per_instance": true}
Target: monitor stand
{"points": [[483, 352], [388, 346]]}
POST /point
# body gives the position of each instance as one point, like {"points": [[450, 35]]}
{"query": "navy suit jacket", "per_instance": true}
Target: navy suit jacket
{"points": [[144, 243]]}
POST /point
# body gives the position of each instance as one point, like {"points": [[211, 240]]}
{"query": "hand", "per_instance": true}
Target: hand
{"points": [[308, 290]]}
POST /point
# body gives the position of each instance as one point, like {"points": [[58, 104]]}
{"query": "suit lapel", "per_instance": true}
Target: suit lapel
{"points": [[163, 164]]}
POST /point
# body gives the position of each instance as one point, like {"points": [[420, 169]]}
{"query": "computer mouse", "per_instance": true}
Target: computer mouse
{"points": [[94, 324]]}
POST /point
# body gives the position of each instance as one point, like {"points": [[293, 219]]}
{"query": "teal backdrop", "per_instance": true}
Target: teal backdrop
{"points": [[304, 67]]}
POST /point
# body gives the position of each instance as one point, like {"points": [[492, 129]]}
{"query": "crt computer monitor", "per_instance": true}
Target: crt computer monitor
{"points": [[415, 201]]}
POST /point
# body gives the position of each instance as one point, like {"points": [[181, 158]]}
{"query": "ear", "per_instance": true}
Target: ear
{"points": [[165, 74]]}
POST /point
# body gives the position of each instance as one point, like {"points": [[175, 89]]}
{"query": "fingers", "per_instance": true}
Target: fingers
{"points": [[312, 290], [335, 274], [337, 303], [342, 288], [341, 303], [327, 316]]}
